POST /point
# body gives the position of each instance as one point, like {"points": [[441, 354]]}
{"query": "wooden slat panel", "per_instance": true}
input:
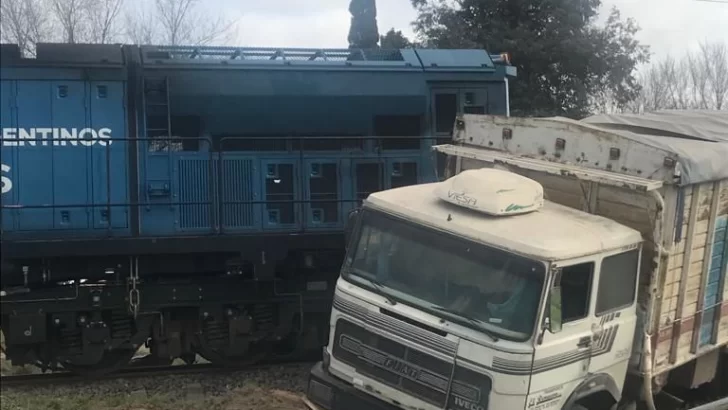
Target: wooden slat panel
{"points": [[706, 266], [690, 232]]}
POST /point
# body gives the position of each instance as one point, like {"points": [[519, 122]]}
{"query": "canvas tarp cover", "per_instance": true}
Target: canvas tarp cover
{"points": [[698, 137]]}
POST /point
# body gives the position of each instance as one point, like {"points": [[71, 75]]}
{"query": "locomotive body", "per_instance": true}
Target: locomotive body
{"points": [[194, 199]]}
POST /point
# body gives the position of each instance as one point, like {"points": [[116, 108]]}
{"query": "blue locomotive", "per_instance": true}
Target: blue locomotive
{"points": [[193, 199]]}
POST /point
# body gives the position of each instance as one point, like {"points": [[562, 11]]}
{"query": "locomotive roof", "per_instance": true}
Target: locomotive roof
{"points": [[429, 60]]}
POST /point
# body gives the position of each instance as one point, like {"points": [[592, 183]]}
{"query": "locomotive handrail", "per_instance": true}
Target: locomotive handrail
{"points": [[216, 178], [220, 177], [269, 53]]}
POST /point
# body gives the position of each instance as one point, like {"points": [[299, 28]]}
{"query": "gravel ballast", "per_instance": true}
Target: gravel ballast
{"points": [[274, 388]]}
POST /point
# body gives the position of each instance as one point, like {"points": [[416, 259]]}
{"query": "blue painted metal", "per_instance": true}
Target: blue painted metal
{"points": [[61, 185], [716, 275], [212, 178]]}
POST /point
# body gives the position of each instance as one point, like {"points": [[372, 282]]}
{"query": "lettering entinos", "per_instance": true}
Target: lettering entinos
{"points": [[57, 137]]}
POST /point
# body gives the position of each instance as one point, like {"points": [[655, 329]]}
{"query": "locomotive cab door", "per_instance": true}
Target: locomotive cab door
{"points": [[402, 172], [109, 165], [282, 194], [322, 193]]}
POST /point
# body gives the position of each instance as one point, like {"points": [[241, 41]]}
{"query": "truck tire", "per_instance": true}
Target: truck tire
{"points": [[630, 405]]}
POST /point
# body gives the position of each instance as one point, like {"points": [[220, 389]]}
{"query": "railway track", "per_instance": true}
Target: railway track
{"points": [[58, 378]]}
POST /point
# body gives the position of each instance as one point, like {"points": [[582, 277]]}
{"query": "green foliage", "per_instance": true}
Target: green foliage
{"points": [[566, 62], [395, 39], [363, 32]]}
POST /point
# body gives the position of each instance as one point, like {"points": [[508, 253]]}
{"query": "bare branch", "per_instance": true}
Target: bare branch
{"points": [[25, 23], [184, 23], [698, 80], [70, 14], [103, 15], [139, 26], [717, 72]]}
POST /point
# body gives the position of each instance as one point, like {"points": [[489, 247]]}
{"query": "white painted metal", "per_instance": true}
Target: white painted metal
{"points": [[555, 232], [606, 194], [492, 191], [564, 170]]}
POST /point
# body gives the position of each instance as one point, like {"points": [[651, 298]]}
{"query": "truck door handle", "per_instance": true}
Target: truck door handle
{"points": [[585, 341]]}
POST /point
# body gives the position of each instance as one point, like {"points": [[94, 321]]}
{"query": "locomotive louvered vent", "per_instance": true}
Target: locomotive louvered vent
{"points": [[237, 193], [195, 196], [237, 189]]}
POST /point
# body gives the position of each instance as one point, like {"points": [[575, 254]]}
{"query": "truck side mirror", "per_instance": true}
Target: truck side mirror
{"points": [[555, 318], [351, 224]]}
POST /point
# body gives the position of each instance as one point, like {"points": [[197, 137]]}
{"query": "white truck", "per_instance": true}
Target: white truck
{"points": [[563, 265]]}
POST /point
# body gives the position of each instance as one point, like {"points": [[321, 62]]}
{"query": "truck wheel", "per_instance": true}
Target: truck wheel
{"points": [[630, 405]]}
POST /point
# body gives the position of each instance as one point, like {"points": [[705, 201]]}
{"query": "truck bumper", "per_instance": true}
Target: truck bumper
{"points": [[330, 393]]}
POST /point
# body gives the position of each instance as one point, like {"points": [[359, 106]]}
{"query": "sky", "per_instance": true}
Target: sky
{"points": [[668, 26]]}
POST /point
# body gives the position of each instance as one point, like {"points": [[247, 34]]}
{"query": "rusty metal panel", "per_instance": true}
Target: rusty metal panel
{"points": [[516, 163], [561, 141]]}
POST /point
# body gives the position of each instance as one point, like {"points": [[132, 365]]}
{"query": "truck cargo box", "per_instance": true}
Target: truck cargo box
{"points": [[664, 174]]}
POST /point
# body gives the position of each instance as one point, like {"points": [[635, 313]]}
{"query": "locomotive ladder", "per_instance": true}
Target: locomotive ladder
{"points": [[156, 105]]}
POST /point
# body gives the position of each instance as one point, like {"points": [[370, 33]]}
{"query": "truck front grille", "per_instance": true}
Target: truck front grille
{"points": [[409, 370]]}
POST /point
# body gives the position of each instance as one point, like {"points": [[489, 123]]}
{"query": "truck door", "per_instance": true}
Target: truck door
{"points": [[563, 357], [598, 317]]}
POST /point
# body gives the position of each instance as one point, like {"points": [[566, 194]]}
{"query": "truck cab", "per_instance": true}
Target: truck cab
{"points": [[476, 293]]}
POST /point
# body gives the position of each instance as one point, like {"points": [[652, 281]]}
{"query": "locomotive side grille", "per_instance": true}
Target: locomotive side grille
{"points": [[238, 188], [194, 188]]}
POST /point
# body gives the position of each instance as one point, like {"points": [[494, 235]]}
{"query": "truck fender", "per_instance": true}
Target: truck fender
{"points": [[592, 385]]}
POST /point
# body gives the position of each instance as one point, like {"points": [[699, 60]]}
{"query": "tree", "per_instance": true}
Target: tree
{"points": [[395, 39], [699, 80], [177, 22], [565, 60], [70, 14], [139, 26], [363, 32], [103, 15], [716, 56], [25, 23]]}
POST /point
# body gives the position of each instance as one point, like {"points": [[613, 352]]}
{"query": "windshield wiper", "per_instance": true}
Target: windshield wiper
{"points": [[469, 318], [380, 289]]}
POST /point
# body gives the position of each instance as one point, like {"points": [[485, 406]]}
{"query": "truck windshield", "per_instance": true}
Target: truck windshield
{"points": [[450, 277]]}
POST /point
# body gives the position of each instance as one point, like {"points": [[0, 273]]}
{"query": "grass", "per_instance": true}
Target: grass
{"points": [[246, 398], [16, 400]]}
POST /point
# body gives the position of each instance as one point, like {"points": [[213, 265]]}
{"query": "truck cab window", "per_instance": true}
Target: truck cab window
{"points": [[617, 282], [576, 283]]}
